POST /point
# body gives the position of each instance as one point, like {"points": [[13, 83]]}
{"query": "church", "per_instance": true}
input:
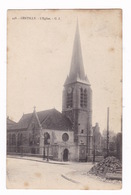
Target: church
{"points": [[61, 136]]}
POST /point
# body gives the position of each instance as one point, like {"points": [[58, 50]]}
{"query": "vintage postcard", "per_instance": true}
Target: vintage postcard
{"points": [[64, 99]]}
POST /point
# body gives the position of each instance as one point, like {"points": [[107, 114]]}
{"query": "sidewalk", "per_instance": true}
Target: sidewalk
{"points": [[38, 159]]}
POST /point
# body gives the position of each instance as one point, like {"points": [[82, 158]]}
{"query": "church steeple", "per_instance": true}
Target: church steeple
{"points": [[77, 72], [77, 100]]}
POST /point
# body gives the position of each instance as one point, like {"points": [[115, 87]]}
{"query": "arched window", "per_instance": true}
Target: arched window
{"points": [[10, 139], [30, 139], [82, 131], [38, 140], [85, 98], [46, 138], [13, 139], [69, 102], [20, 139], [81, 98], [81, 142], [7, 139]]}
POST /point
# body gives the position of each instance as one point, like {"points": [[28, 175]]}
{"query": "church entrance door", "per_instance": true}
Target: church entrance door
{"points": [[65, 154]]}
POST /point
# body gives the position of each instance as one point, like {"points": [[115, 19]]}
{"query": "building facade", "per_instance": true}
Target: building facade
{"points": [[52, 134]]}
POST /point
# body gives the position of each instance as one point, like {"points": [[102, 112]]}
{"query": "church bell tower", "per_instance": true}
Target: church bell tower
{"points": [[77, 101]]}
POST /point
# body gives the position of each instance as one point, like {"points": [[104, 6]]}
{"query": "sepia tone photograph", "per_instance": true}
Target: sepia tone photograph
{"points": [[64, 99]]}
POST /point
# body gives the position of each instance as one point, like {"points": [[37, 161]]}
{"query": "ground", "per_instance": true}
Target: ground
{"points": [[34, 173]]}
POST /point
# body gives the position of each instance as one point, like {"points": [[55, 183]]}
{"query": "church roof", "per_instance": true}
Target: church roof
{"points": [[49, 119], [53, 119], [10, 122], [77, 72]]}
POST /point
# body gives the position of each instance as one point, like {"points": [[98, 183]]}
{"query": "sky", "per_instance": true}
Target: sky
{"points": [[39, 50]]}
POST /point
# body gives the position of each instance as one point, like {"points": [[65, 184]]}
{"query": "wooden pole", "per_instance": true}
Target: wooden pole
{"points": [[94, 144]]}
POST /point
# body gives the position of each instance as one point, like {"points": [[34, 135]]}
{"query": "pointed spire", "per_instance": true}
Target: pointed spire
{"points": [[77, 72]]}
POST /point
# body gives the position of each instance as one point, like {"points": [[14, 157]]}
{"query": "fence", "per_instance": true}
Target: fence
{"points": [[44, 152]]}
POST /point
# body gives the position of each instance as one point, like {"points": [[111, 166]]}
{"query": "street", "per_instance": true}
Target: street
{"points": [[32, 174]]}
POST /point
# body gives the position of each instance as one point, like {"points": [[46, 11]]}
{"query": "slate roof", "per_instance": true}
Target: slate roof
{"points": [[10, 123], [77, 72], [53, 119], [49, 119]]}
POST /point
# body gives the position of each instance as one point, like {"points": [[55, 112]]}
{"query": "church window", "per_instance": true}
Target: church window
{"points": [[85, 98], [7, 140], [20, 139], [81, 97], [81, 142], [10, 139], [69, 103], [30, 139], [13, 139], [65, 137], [38, 140], [46, 138], [82, 131]]}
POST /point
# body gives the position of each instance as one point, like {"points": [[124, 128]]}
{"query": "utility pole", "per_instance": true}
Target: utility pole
{"points": [[94, 144], [108, 131]]}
